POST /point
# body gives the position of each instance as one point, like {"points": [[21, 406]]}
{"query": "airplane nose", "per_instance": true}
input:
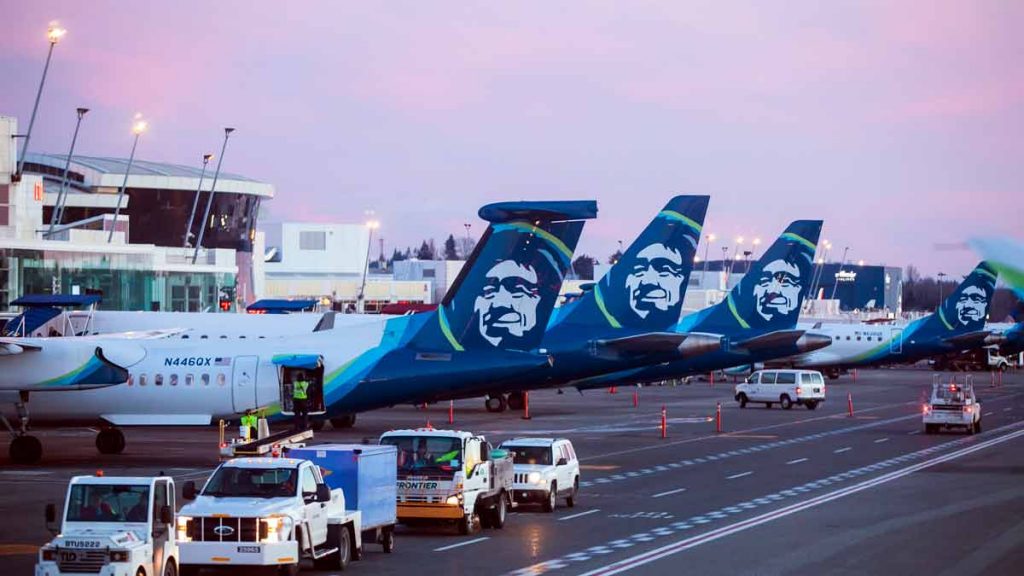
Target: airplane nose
{"points": [[809, 342], [697, 344]]}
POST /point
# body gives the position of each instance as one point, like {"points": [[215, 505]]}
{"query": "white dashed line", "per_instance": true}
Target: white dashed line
{"points": [[461, 544], [797, 461], [880, 440], [988, 413], [740, 475], [841, 450], [670, 492], [1007, 409], [580, 514], [913, 433]]}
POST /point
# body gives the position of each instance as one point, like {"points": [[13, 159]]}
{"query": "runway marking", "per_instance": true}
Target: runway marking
{"points": [[797, 461], [599, 467], [913, 433], [740, 475], [988, 413], [26, 472], [1007, 409], [752, 436], [461, 544], [669, 493], [841, 450], [1012, 431], [588, 512], [880, 440]]}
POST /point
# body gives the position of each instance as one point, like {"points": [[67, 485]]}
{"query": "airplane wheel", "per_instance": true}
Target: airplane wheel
{"points": [[316, 425], [495, 403], [515, 401], [110, 441], [26, 449], [346, 421]]}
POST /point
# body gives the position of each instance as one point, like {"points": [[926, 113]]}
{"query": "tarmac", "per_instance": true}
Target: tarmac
{"points": [[776, 492]]}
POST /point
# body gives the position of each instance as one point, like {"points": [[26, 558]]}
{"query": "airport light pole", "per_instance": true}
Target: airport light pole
{"points": [[138, 127], [725, 255], [835, 285], [371, 225], [53, 34], [941, 275], [708, 239], [58, 207], [465, 247], [195, 201], [209, 198]]}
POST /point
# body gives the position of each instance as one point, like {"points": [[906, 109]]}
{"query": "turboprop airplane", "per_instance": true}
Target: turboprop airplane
{"points": [[959, 324], [756, 321], [492, 317]]}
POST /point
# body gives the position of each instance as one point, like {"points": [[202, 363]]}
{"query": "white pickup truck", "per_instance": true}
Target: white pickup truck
{"points": [[952, 406], [267, 512], [113, 526], [451, 475]]}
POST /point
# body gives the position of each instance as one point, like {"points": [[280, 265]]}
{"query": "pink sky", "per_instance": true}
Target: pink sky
{"points": [[900, 125]]}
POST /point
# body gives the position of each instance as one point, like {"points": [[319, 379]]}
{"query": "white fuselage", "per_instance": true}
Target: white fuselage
{"points": [[189, 382]]}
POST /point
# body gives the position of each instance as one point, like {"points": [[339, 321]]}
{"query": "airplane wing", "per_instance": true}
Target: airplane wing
{"points": [[975, 339], [673, 344], [139, 334], [11, 346], [60, 364]]}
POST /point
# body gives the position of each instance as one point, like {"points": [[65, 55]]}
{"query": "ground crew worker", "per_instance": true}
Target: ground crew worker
{"points": [[300, 401], [249, 423]]}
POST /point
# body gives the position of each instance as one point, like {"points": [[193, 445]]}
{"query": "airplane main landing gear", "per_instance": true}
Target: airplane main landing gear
{"points": [[110, 441], [343, 421], [495, 403], [25, 448], [515, 401]]}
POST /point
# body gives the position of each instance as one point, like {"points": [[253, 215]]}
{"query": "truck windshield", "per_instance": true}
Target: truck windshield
{"points": [[530, 454], [252, 482], [426, 453], [108, 503]]}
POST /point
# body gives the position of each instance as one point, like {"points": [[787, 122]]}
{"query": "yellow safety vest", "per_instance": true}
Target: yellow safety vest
{"points": [[299, 391], [249, 421]]}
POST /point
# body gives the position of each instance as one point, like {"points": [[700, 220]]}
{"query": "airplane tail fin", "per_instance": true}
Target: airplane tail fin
{"points": [[506, 291], [645, 288], [966, 309], [771, 293]]}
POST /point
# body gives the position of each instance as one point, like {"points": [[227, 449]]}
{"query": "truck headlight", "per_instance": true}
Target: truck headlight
{"points": [[453, 501], [48, 554], [276, 529], [182, 528], [533, 477], [119, 555]]}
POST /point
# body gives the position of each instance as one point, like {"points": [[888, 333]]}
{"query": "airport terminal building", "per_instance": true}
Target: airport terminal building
{"points": [[139, 261]]}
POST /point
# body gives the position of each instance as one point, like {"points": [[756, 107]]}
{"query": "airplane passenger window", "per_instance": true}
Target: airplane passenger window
{"points": [[858, 338], [221, 379], [131, 380], [203, 337], [206, 379], [158, 380], [142, 379], [174, 379], [189, 379]]}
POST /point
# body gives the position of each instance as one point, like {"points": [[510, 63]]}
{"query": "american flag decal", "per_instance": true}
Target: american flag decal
{"points": [[226, 361]]}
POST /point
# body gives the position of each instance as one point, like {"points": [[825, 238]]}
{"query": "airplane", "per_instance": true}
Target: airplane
{"points": [[959, 324], [486, 329], [756, 322]]}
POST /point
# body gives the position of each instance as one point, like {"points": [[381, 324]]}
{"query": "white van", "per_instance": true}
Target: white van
{"points": [[787, 387]]}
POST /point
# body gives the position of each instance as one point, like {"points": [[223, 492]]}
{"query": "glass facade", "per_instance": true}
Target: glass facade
{"points": [[125, 281]]}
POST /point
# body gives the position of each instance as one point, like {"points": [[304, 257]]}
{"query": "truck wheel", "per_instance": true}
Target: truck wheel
{"points": [[485, 518], [811, 404], [498, 512], [977, 426], [743, 400], [571, 500], [929, 429], [768, 405], [388, 539], [170, 568], [288, 569], [466, 525], [549, 504], [785, 402]]}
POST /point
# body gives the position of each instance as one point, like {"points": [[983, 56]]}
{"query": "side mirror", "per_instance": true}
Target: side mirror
{"points": [[51, 513], [188, 491], [323, 493], [166, 515], [562, 462]]}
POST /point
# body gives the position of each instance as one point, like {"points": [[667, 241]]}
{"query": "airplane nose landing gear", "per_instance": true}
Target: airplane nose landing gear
{"points": [[110, 441], [25, 448]]}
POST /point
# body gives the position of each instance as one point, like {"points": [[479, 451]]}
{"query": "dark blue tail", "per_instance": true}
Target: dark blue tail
{"points": [[966, 309], [770, 295], [645, 288], [506, 291]]}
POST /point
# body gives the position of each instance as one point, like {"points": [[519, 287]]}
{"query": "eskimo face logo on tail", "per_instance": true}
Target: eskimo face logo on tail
{"points": [[507, 305], [777, 292], [655, 281], [971, 306]]}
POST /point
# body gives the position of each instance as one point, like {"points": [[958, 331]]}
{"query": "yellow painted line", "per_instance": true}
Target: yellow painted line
{"points": [[18, 549], [599, 467], [220, 559], [287, 559]]}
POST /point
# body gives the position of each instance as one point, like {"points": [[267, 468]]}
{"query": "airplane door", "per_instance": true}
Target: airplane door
{"points": [[896, 341], [243, 383]]}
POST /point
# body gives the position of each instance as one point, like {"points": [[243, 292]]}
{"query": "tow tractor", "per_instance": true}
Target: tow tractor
{"points": [[113, 526], [451, 476], [952, 405]]}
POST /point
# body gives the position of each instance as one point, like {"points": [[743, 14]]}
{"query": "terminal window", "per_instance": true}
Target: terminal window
{"points": [[315, 240]]}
